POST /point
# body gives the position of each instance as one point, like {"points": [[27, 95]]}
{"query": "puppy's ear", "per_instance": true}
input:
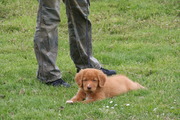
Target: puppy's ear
{"points": [[102, 79], [78, 78]]}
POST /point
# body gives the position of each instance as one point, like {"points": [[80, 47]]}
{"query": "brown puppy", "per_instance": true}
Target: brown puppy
{"points": [[95, 85]]}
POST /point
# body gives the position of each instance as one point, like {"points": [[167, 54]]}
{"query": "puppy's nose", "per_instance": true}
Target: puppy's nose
{"points": [[88, 87]]}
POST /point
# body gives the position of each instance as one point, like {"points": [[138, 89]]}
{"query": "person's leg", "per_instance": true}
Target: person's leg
{"points": [[46, 42], [80, 34]]}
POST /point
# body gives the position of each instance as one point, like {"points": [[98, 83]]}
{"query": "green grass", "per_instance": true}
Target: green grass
{"points": [[138, 38]]}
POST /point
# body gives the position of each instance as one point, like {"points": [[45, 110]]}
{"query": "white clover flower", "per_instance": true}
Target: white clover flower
{"points": [[107, 106], [154, 109], [111, 102], [115, 105], [127, 104], [112, 107]]}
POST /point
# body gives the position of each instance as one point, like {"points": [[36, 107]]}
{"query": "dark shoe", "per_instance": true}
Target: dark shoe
{"points": [[78, 70], [108, 72], [105, 71], [58, 82]]}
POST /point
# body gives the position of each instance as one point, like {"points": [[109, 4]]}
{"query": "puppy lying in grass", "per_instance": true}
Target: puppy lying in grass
{"points": [[95, 85]]}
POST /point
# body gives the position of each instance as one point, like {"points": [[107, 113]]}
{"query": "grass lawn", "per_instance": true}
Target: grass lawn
{"points": [[137, 38]]}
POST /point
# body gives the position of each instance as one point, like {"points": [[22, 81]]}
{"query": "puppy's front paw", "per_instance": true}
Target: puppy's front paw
{"points": [[69, 102]]}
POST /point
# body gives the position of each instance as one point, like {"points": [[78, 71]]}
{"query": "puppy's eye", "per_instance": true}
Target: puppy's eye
{"points": [[94, 80], [84, 80]]}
